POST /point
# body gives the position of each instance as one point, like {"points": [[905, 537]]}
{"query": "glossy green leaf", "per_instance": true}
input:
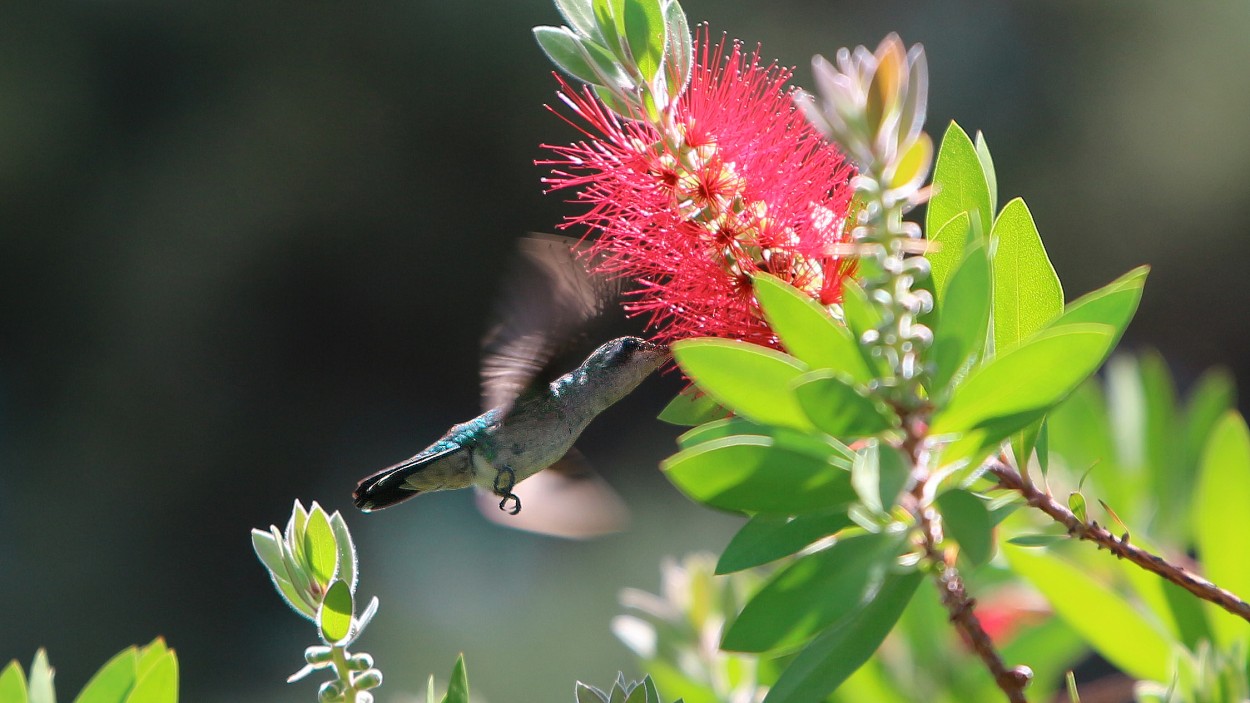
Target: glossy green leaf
{"points": [[1221, 520], [458, 686], [692, 407], [755, 474], [1117, 631], [1020, 386], [335, 616], [987, 167], [966, 520], [813, 592], [157, 683], [965, 317], [1114, 304], [878, 475], [643, 26], [766, 538], [946, 252], [812, 443], [751, 380], [113, 681], [149, 655], [837, 652], [320, 551], [13, 683], [839, 409], [1164, 457], [580, 14], [41, 689], [1027, 294], [1076, 503], [1024, 442], [960, 185], [808, 331]]}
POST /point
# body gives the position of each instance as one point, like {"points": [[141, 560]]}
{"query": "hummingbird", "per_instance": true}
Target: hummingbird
{"points": [[533, 412]]}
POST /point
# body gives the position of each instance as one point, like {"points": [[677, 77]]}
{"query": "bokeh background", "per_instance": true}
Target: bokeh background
{"points": [[247, 250]]}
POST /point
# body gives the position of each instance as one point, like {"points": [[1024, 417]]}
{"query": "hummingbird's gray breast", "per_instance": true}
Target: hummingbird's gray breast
{"points": [[537, 433]]}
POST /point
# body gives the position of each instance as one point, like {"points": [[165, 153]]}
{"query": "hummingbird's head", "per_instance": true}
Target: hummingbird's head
{"points": [[618, 366]]}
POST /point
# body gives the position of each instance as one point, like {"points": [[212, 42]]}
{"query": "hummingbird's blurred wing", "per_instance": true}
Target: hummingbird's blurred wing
{"points": [[545, 306], [566, 500]]}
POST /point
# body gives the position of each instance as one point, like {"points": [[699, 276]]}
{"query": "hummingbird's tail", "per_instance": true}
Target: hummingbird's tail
{"points": [[395, 484]]}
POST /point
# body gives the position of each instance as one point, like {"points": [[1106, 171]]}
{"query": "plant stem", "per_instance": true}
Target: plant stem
{"points": [[339, 656], [1009, 479], [950, 583]]}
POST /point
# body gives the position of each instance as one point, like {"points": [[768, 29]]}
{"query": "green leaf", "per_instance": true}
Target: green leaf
{"points": [[966, 519], [1114, 304], [987, 167], [679, 56], [1117, 631], [964, 319], [814, 444], [113, 681], [959, 186], [1076, 503], [1212, 394], [839, 409], [861, 314], [879, 474], [756, 474], [346, 557], [808, 331], [1020, 386], [320, 551], [1037, 540], [13, 683], [580, 15], [1027, 294], [692, 407], [751, 380], [946, 252], [643, 27], [813, 592], [157, 683], [837, 652], [1221, 521], [41, 673], [766, 538], [149, 655], [567, 51], [458, 687], [268, 549], [335, 616]]}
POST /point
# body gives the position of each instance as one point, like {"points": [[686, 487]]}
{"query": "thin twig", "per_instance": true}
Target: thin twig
{"points": [[951, 585], [960, 606], [1010, 479]]}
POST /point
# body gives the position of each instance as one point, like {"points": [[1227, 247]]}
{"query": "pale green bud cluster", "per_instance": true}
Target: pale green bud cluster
{"points": [[622, 691], [873, 105], [312, 564], [636, 54]]}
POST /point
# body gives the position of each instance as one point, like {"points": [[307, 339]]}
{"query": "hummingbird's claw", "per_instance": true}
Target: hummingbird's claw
{"points": [[505, 490]]}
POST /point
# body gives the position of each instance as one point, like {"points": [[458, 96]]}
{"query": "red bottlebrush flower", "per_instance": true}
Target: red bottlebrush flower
{"points": [[733, 180]]}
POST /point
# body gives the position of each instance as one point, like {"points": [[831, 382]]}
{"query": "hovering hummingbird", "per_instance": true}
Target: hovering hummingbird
{"points": [[532, 414]]}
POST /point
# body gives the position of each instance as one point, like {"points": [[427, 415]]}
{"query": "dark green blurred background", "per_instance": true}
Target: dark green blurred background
{"points": [[247, 250]]}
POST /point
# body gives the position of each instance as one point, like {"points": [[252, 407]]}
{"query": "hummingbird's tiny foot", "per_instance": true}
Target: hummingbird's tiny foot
{"points": [[516, 504], [503, 487]]}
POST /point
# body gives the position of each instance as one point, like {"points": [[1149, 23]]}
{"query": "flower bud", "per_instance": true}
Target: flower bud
{"points": [[331, 692], [360, 662], [365, 680], [317, 654]]}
